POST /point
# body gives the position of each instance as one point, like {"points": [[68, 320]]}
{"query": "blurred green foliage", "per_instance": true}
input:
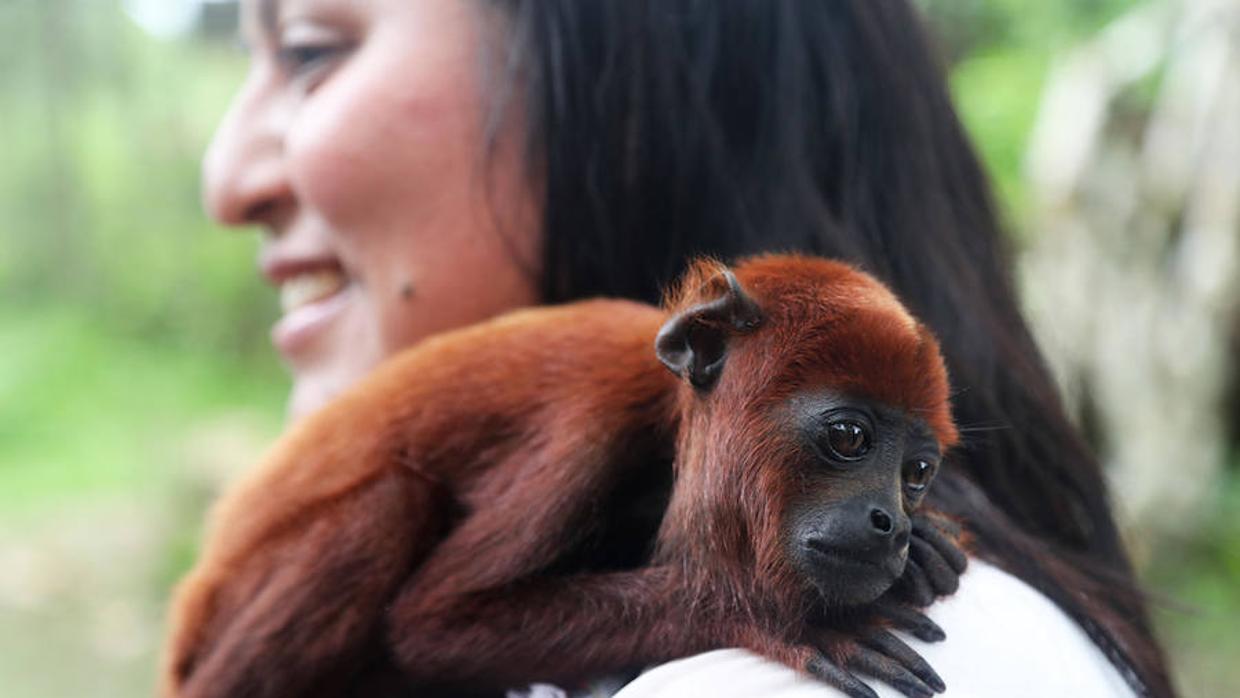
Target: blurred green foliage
{"points": [[133, 341], [103, 128], [999, 52], [94, 410], [129, 336], [124, 311]]}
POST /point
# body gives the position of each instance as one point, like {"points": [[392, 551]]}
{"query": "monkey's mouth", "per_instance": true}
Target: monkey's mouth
{"points": [[851, 577]]}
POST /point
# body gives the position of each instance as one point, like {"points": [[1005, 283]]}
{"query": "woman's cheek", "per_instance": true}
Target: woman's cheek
{"points": [[330, 165], [362, 144]]}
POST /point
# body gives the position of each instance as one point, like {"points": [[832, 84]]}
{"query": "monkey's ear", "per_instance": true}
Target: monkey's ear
{"points": [[694, 343]]}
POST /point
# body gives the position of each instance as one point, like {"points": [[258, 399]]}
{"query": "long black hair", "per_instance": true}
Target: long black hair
{"points": [[663, 129]]}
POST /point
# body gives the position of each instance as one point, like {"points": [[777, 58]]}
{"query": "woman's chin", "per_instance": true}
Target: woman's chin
{"points": [[307, 396], [342, 360]]}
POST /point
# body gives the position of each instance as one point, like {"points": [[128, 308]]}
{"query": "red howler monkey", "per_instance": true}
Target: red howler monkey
{"points": [[427, 513]]}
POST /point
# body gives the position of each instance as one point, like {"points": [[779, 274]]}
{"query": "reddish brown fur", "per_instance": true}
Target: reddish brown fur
{"points": [[430, 498]]}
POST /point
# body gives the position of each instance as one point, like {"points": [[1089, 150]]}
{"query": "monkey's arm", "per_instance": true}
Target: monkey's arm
{"points": [[567, 629], [561, 629]]}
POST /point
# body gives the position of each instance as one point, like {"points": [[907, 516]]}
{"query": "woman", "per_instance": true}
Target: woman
{"points": [[423, 164]]}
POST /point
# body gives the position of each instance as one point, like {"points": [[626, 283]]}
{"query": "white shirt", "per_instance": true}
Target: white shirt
{"points": [[1003, 639]]}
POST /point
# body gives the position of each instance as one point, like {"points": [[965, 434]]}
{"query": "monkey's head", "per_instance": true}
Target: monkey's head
{"points": [[815, 414]]}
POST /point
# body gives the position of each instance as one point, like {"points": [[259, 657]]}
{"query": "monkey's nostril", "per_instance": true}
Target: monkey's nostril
{"points": [[881, 521]]}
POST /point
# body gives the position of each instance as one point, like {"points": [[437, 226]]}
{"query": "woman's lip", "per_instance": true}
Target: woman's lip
{"points": [[297, 329]]}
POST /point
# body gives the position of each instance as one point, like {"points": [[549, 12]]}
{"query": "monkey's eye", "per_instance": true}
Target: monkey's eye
{"points": [[917, 474], [848, 439]]}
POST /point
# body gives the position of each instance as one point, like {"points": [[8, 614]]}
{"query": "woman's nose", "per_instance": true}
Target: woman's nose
{"points": [[244, 176]]}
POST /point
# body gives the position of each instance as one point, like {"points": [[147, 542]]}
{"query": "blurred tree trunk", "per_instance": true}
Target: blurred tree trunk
{"points": [[1131, 275], [56, 67]]}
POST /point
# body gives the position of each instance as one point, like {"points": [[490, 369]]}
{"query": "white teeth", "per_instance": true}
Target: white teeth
{"points": [[309, 287]]}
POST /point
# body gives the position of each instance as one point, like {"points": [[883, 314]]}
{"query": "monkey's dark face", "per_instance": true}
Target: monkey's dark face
{"points": [[862, 468]]}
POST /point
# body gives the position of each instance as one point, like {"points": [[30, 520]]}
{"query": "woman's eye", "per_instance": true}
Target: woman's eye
{"points": [[299, 59], [917, 474], [848, 439]]}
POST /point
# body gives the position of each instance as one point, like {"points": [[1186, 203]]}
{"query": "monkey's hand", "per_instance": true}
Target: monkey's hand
{"points": [[936, 559], [838, 657]]}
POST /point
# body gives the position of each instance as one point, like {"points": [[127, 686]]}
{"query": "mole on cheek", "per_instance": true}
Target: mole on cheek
{"points": [[406, 291]]}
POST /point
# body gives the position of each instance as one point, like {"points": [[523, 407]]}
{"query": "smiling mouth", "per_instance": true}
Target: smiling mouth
{"points": [[309, 287]]}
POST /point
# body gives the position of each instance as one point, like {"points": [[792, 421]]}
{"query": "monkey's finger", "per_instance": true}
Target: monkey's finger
{"points": [[912, 621], [943, 579], [889, 671], [915, 585], [895, 648], [825, 670], [928, 531]]}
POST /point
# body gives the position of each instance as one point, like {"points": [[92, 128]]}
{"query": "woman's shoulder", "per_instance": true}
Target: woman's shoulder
{"points": [[1003, 638]]}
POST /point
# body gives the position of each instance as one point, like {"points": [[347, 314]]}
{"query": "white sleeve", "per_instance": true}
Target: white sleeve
{"points": [[1003, 639]]}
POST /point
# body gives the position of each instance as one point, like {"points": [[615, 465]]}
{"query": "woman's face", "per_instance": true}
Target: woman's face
{"points": [[358, 143]]}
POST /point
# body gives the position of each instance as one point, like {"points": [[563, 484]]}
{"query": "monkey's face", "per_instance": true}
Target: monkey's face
{"points": [[862, 468], [807, 485]]}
